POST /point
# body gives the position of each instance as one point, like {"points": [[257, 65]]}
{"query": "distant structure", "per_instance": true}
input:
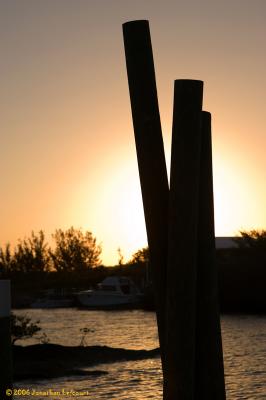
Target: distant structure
{"points": [[225, 242], [179, 224]]}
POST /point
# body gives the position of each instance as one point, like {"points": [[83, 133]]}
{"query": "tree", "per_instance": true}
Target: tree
{"points": [[253, 239], [141, 256], [120, 257], [6, 259], [22, 327], [75, 250], [31, 254], [252, 246]]}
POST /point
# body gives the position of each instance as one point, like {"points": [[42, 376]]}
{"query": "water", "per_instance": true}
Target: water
{"points": [[244, 342]]}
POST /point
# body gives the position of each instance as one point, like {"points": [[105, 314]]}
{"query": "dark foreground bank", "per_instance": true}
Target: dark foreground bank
{"points": [[46, 361]]}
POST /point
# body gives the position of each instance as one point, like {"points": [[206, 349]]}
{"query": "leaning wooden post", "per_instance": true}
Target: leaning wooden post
{"points": [[5, 340], [183, 242], [150, 153], [210, 383]]}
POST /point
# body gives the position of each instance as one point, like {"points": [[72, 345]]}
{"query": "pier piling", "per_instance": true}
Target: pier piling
{"points": [[179, 224], [150, 153]]}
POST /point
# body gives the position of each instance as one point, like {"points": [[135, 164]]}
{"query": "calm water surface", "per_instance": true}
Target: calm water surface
{"points": [[244, 342]]}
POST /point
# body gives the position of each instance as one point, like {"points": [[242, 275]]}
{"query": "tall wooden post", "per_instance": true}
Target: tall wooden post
{"points": [[150, 153], [210, 383], [5, 340], [180, 226], [183, 242]]}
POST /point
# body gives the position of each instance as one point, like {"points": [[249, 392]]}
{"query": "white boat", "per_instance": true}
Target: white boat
{"points": [[113, 292]]}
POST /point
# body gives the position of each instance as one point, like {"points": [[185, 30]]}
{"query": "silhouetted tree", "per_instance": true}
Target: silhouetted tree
{"points": [[254, 239], [31, 254], [75, 250], [252, 248], [120, 256], [141, 256], [6, 259]]}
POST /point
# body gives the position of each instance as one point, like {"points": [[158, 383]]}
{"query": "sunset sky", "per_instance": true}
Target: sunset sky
{"points": [[67, 149]]}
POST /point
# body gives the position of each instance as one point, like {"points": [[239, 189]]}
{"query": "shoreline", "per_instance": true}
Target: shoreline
{"points": [[47, 361]]}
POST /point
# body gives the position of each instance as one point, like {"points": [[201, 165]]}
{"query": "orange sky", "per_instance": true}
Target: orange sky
{"points": [[67, 144]]}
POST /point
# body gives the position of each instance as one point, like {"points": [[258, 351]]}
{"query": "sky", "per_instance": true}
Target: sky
{"points": [[67, 154]]}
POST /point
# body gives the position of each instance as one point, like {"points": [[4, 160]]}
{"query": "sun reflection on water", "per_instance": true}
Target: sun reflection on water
{"points": [[244, 342]]}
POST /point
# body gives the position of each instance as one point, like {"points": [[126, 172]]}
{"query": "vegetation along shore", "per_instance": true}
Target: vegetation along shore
{"points": [[74, 263]]}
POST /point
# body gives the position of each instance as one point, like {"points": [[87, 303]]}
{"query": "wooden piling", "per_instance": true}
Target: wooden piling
{"points": [[180, 336], [150, 154], [180, 226], [5, 341], [209, 354]]}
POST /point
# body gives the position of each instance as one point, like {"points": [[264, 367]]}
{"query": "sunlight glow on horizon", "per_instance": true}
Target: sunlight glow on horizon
{"points": [[67, 152], [115, 214]]}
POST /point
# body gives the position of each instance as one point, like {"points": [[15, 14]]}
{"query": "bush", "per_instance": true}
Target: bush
{"points": [[22, 327]]}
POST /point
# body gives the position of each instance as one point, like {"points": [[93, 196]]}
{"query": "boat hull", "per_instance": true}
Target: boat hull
{"points": [[108, 302]]}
